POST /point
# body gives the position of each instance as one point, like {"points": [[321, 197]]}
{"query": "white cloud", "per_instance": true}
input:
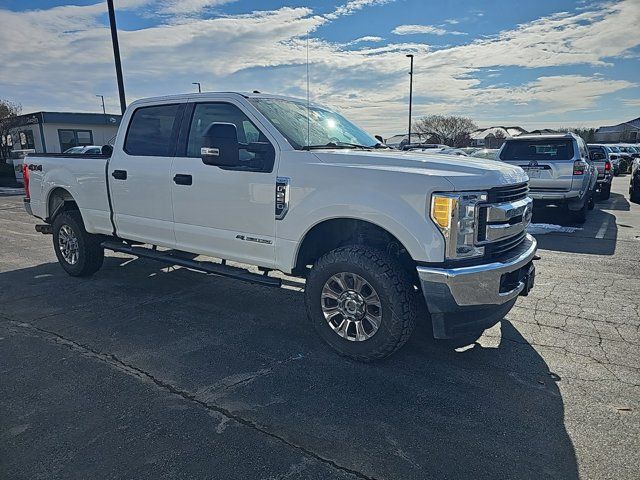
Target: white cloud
{"points": [[60, 57], [423, 29], [353, 6], [368, 38], [185, 7]]}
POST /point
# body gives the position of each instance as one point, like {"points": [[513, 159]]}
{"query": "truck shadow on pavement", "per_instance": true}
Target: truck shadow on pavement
{"points": [[486, 412], [597, 236]]}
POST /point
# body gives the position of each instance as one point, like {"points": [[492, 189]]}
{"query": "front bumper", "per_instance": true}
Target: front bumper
{"points": [[470, 299]]}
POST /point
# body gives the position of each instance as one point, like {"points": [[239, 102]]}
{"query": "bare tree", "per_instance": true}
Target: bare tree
{"points": [[448, 130], [8, 113]]}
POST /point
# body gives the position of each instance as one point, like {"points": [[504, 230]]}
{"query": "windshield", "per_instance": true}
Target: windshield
{"points": [[550, 149], [324, 127]]}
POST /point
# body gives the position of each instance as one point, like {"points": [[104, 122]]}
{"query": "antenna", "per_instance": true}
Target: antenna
{"points": [[308, 120]]}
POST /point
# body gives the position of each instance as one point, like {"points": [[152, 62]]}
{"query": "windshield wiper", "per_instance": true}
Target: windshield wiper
{"points": [[337, 145]]}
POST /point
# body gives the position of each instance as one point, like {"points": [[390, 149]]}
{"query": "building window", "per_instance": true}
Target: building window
{"points": [[26, 139], [74, 138]]}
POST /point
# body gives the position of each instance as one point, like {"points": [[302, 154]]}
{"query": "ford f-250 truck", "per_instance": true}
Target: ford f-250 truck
{"points": [[273, 182]]}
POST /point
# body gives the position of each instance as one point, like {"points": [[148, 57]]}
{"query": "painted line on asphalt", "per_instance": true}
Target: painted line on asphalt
{"points": [[603, 228]]}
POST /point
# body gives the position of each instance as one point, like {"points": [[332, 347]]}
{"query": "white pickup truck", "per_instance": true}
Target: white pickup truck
{"points": [[273, 182]]}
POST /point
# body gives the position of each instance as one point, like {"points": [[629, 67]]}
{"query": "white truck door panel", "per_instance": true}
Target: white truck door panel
{"points": [[224, 213], [139, 176]]}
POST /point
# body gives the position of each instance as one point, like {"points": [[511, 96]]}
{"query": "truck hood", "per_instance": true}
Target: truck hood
{"points": [[464, 173]]}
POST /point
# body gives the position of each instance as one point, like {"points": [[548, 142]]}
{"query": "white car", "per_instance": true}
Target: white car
{"points": [[84, 150], [278, 184]]}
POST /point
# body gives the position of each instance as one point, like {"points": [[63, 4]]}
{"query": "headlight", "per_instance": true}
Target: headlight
{"points": [[455, 214]]}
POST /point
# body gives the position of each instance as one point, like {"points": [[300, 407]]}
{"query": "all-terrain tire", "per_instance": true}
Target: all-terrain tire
{"points": [[89, 254], [580, 216], [389, 280], [605, 192]]}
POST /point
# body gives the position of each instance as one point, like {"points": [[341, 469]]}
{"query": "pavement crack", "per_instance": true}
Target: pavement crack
{"points": [[113, 360]]}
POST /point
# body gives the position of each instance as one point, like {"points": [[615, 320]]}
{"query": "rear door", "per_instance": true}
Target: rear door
{"points": [[139, 175], [547, 161], [225, 212]]}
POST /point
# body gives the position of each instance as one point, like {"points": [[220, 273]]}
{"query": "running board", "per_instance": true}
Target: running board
{"points": [[177, 257]]}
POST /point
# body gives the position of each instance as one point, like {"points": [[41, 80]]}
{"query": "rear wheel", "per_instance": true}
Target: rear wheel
{"points": [[634, 192], [580, 216], [79, 252], [605, 191], [361, 302]]}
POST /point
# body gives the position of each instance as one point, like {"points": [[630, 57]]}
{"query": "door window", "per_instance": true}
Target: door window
{"points": [[249, 136], [151, 131]]}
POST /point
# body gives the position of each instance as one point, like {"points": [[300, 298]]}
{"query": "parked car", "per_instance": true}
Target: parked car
{"points": [[423, 146], [453, 151], [600, 158], [84, 150], [624, 158], [274, 183], [488, 153], [614, 158], [559, 169], [634, 183]]}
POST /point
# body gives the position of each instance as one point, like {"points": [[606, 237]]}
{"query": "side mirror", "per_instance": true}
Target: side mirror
{"points": [[106, 150], [220, 145], [380, 139]]}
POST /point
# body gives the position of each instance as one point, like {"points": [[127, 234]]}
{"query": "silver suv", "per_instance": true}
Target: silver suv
{"points": [[559, 168]]}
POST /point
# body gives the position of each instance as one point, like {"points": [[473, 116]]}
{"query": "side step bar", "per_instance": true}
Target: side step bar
{"points": [[176, 257]]}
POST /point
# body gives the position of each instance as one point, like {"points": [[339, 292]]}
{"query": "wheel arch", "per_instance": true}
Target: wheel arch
{"points": [[331, 233], [58, 200]]}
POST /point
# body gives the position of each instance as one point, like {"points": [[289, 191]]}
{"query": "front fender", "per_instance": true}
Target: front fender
{"points": [[403, 216]]}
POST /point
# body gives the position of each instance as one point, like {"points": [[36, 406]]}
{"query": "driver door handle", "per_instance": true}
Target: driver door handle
{"points": [[183, 179], [119, 174]]}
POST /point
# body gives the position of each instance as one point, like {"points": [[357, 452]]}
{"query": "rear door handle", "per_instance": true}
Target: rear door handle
{"points": [[119, 174], [182, 179]]}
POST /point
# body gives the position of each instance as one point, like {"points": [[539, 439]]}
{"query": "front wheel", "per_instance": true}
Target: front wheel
{"points": [[79, 252], [361, 302]]}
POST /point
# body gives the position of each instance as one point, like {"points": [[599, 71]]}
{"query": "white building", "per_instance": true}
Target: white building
{"points": [[55, 132]]}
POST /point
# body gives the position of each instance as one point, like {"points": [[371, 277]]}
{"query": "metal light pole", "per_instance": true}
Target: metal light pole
{"points": [[116, 55], [103, 109], [410, 94], [197, 83]]}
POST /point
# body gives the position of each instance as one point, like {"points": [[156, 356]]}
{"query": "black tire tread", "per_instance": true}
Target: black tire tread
{"points": [[394, 274], [90, 244]]}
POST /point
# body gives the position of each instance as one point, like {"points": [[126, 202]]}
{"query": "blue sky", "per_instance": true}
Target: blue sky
{"points": [[534, 64]]}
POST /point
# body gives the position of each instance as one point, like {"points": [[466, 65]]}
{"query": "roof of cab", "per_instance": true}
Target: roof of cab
{"points": [[205, 95]]}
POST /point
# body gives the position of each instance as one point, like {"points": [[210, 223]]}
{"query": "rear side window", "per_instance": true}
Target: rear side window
{"points": [[556, 149], [151, 131]]}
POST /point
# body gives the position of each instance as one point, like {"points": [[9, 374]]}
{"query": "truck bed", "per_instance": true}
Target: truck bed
{"points": [[83, 176]]}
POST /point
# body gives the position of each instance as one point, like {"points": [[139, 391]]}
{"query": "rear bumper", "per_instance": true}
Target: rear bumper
{"points": [[27, 205], [469, 299], [554, 195]]}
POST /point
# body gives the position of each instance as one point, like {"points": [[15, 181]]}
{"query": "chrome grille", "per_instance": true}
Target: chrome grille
{"points": [[508, 193], [503, 219], [499, 248]]}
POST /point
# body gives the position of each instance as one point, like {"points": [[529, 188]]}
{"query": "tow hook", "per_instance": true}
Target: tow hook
{"points": [[45, 229], [536, 257]]}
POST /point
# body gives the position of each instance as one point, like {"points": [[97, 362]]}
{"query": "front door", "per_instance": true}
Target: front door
{"points": [[224, 213], [139, 175]]}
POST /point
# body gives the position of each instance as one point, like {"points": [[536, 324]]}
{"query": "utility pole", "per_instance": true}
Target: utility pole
{"points": [[410, 94], [197, 83], [116, 55], [103, 109]]}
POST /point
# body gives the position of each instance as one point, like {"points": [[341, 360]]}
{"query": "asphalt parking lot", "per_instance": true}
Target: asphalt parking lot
{"points": [[147, 372]]}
